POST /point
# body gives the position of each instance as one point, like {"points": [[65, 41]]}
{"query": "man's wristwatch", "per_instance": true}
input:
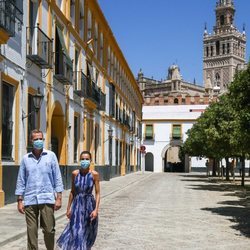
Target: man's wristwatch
{"points": [[19, 199]]}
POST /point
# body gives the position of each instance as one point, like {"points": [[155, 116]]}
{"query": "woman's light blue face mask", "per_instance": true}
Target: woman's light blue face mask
{"points": [[85, 164]]}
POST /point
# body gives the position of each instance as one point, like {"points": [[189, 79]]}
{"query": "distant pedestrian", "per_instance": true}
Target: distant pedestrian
{"points": [[82, 209], [207, 167], [39, 178], [232, 167]]}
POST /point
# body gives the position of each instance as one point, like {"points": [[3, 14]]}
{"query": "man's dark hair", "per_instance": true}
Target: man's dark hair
{"points": [[35, 131]]}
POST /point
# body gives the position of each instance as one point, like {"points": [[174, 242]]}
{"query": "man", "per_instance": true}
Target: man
{"points": [[39, 178]]}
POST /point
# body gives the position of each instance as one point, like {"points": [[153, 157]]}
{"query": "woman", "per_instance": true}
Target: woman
{"points": [[82, 210]]}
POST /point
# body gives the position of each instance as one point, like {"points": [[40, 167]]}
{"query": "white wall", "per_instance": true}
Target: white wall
{"points": [[162, 118]]}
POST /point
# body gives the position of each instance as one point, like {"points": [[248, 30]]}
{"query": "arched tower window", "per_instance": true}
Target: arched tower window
{"points": [[222, 20], [217, 79], [217, 47]]}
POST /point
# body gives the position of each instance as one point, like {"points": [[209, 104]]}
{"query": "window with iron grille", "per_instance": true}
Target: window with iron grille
{"points": [[7, 120]]}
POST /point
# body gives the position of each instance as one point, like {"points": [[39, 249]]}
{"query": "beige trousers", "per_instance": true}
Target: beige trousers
{"points": [[47, 223]]}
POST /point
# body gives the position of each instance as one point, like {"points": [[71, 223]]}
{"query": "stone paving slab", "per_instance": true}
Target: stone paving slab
{"points": [[167, 211], [12, 223]]}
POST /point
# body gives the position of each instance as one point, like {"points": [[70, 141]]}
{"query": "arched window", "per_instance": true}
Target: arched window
{"points": [[222, 20], [217, 79], [217, 47], [176, 101]]}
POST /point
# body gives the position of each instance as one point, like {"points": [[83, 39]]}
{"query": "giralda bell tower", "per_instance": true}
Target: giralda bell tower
{"points": [[224, 50]]}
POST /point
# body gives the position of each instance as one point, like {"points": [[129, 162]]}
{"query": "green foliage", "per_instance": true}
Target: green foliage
{"points": [[223, 130]]}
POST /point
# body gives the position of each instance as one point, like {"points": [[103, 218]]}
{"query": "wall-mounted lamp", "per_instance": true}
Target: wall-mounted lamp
{"points": [[110, 132], [37, 101], [131, 140], [69, 126]]}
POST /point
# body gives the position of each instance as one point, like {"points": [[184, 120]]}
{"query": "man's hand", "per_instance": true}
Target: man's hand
{"points": [[20, 207], [58, 204]]}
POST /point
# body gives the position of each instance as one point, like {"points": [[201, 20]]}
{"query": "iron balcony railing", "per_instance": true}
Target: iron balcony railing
{"points": [[8, 16], [63, 69], [86, 88], [39, 47]]}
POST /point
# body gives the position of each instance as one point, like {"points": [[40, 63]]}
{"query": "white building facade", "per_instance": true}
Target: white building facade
{"points": [[164, 132]]}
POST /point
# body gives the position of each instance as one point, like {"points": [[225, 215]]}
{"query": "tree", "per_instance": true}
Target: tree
{"points": [[239, 93]]}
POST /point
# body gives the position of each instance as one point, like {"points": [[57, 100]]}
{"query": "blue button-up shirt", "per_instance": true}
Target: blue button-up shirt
{"points": [[39, 179]]}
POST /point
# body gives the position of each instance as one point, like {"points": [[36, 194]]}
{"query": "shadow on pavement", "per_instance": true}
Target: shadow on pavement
{"points": [[238, 215], [237, 211]]}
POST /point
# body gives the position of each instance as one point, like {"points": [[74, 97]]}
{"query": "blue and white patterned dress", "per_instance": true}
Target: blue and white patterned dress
{"points": [[80, 233]]}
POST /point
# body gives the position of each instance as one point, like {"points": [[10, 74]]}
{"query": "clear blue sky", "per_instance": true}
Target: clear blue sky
{"points": [[153, 34]]}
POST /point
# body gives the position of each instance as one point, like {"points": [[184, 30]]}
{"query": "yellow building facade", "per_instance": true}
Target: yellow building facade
{"points": [[65, 52]]}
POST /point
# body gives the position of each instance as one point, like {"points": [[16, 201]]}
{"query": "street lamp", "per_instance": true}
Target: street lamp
{"points": [[37, 101], [110, 134]]}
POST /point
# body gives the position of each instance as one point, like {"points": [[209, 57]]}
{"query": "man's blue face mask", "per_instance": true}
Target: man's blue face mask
{"points": [[38, 144]]}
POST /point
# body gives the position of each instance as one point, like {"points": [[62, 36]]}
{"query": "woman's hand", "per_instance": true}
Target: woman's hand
{"points": [[93, 215], [68, 213]]}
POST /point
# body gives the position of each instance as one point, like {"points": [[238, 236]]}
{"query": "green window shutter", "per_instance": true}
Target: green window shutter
{"points": [[149, 130], [176, 131]]}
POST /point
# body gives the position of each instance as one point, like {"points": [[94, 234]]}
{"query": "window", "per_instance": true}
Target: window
{"points": [[120, 154], [116, 152], [217, 48], [149, 132], [112, 100], [89, 34], [31, 121], [76, 73], [72, 11], [76, 138], [176, 131], [7, 122], [228, 48], [222, 20], [212, 50], [96, 142], [176, 101], [223, 49]]}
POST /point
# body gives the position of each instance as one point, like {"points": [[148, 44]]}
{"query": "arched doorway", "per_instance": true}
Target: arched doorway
{"points": [[58, 133], [149, 162], [172, 162]]}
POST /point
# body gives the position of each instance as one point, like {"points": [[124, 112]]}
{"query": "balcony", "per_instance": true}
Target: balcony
{"points": [[86, 88], [63, 69], [39, 47], [7, 20]]}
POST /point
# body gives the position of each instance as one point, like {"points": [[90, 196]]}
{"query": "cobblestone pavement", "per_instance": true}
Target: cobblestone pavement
{"points": [[168, 211]]}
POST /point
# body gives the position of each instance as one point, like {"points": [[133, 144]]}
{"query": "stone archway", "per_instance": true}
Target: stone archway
{"points": [[58, 133], [170, 159], [149, 162]]}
